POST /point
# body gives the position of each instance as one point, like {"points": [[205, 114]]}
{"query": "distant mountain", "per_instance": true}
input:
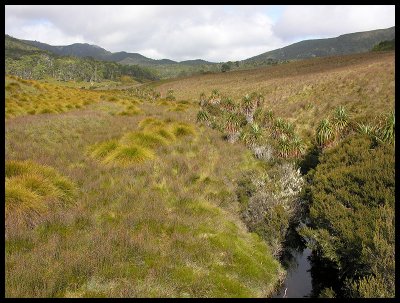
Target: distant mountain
{"points": [[134, 58], [76, 49], [15, 48], [342, 45], [195, 62], [89, 50], [13, 43], [30, 62]]}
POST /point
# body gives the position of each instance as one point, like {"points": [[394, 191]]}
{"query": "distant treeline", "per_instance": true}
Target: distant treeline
{"points": [[38, 65]]}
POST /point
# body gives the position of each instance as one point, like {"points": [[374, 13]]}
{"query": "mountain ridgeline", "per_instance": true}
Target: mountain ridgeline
{"points": [[30, 59], [38, 62], [89, 50], [342, 45]]}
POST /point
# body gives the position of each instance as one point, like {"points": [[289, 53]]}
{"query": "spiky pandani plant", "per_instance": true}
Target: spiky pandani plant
{"points": [[258, 98], [232, 123], [278, 127], [297, 146], [288, 128], [228, 104], [215, 97], [325, 133], [203, 99], [340, 120], [284, 146], [249, 107], [387, 132], [270, 118], [203, 116], [366, 129], [252, 134]]}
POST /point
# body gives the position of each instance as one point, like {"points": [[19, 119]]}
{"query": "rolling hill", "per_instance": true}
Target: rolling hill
{"points": [[97, 52], [344, 44], [30, 62], [306, 90]]}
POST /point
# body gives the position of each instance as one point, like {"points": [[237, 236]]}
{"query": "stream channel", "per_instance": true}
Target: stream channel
{"points": [[298, 282]]}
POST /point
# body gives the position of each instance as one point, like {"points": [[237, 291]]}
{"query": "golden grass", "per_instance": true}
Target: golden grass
{"points": [[138, 146], [128, 155], [32, 191], [149, 140], [30, 97]]}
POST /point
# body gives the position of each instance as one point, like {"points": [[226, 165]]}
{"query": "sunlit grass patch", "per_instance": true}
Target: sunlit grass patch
{"points": [[33, 190], [165, 134], [132, 148], [55, 98], [103, 149], [149, 140], [150, 122], [183, 129], [128, 155], [130, 108], [129, 112]]}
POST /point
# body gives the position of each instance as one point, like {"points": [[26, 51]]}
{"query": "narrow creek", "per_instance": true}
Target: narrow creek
{"points": [[298, 282]]}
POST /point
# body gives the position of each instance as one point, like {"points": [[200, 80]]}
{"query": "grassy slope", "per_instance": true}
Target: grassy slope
{"points": [[167, 226], [305, 91]]}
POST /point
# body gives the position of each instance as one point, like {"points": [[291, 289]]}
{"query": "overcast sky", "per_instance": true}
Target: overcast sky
{"points": [[213, 33]]}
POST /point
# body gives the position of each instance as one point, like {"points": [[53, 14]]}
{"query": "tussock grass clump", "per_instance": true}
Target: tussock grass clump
{"points": [[150, 123], [130, 110], [40, 97], [123, 152], [139, 146], [144, 139], [165, 134], [167, 129], [127, 155], [32, 191], [103, 149], [183, 129], [131, 149]]}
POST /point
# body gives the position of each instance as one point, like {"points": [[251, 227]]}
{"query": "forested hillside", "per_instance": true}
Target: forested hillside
{"points": [[28, 62]]}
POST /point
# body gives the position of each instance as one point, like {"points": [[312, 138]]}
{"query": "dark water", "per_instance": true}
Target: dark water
{"points": [[298, 282]]}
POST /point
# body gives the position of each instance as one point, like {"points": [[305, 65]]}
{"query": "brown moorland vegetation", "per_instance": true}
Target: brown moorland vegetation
{"points": [[305, 91]]}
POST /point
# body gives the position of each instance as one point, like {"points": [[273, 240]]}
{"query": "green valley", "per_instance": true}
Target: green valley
{"points": [[132, 177]]}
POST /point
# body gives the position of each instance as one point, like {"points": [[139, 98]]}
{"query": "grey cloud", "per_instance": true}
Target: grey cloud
{"points": [[215, 33], [329, 20]]}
